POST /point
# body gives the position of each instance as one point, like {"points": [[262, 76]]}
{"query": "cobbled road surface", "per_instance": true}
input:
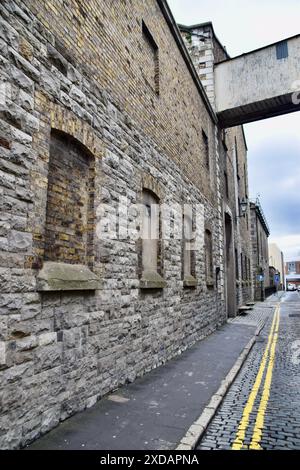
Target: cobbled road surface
{"points": [[262, 408]]}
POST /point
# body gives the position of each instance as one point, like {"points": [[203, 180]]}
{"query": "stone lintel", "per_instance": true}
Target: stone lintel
{"points": [[64, 277]]}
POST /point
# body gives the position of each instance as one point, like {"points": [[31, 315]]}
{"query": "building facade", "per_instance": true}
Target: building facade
{"points": [[276, 260], [292, 273], [292, 280], [106, 130], [260, 251], [92, 115], [206, 52], [292, 267]]}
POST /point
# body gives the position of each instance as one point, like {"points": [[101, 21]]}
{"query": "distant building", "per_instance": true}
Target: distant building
{"points": [[292, 267], [292, 279], [276, 260], [260, 252]]}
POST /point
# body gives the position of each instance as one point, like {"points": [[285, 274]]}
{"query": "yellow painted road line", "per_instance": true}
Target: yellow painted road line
{"points": [[259, 423], [243, 425]]}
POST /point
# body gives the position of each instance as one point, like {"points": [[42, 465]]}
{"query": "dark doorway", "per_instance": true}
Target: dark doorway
{"points": [[229, 268]]}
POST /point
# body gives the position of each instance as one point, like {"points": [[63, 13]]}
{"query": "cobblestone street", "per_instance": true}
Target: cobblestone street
{"points": [[262, 408]]}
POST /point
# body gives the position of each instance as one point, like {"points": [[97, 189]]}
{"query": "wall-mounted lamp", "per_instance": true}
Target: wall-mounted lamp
{"points": [[243, 207]]}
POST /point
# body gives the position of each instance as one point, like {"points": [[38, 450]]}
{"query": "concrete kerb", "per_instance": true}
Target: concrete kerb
{"points": [[198, 428]]}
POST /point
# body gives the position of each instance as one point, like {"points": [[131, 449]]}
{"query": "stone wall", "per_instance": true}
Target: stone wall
{"points": [[79, 71], [237, 148], [206, 51], [260, 253]]}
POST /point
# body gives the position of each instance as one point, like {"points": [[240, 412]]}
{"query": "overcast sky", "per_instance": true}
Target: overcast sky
{"points": [[273, 144]]}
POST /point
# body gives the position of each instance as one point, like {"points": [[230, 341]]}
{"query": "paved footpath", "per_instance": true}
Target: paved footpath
{"points": [[156, 410], [262, 408]]}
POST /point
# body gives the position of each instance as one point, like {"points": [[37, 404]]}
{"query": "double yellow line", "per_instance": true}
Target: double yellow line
{"points": [[268, 360]]}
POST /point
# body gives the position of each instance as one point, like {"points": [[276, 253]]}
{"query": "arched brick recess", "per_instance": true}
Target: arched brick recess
{"points": [[56, 118], [70, 214]]}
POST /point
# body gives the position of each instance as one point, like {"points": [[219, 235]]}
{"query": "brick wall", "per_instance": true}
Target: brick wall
{"points": [[70, 203], [106, 43]]}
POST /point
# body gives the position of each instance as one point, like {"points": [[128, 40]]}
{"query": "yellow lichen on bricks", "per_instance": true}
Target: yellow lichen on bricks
{"points": [[26, 49]]}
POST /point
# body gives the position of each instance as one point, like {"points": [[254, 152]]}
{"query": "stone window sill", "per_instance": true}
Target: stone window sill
{"points": [[152, 280], [189, 281], [65, 277]]}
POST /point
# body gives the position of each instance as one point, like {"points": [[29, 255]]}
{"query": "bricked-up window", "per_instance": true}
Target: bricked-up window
{"points": [[188, 251], [206, 148], [70, 202], [245, 181], [151, 58], [237, 273], [223, 137], [208, 257], [150, 251], [226, 187], [242, 267], [150, 234]]}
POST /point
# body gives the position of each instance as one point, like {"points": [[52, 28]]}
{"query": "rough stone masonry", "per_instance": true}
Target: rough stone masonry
{"points": [[99, 100]]}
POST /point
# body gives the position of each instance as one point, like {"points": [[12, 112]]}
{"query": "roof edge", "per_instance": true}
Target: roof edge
{"points": [[260, 48], [201, 25], [260, 213]]}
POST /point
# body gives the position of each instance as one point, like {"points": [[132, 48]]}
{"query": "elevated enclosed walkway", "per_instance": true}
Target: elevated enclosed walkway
{"points": [[259, 84]]}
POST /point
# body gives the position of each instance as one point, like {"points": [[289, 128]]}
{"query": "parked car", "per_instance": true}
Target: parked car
{"points": [[291, 286], [298, 288]]}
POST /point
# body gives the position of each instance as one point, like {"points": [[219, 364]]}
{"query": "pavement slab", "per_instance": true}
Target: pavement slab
{"points": [[156, 410]]}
